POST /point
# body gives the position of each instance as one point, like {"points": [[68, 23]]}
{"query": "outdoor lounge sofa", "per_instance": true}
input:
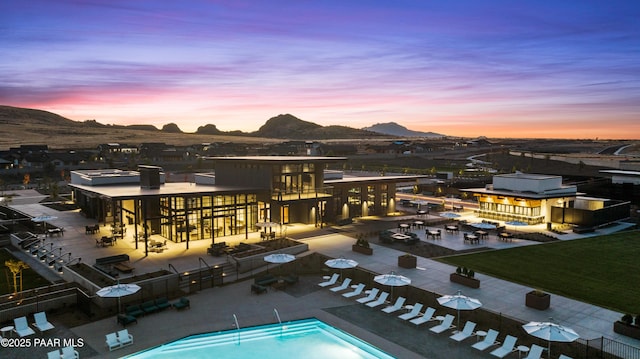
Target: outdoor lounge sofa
{"points": [[182, 303], [149, 307], [265, 280], [134, 311], [258, 289], [125, 319]]}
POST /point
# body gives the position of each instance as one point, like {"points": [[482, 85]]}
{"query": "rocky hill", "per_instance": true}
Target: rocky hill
{"points": [[289, 126], [394, 129]]}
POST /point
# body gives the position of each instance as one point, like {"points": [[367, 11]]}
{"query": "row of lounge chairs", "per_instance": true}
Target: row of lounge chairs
{"points": [[415, 315], [118, 340], [132, 312], [21, 327]]}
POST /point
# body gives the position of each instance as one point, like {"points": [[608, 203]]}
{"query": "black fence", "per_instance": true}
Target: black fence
{"points": [[605, 348]]}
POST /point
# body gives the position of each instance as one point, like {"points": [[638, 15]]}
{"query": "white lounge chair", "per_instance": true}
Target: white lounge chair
{"points": [[415, 311], [535, 352], [447, 323], [372, 295], [54, 354], [69, 352], [357, 291], [331, 281], [124, 337], [507, 347], [343, 286], [427, 316], [466, 332], [489, 340], [41, 322], [112, 341], [380, 301], [21, 327], [396, 306]]}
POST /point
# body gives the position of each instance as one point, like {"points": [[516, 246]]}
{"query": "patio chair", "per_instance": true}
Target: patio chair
{"points": [[415, 311], [427, 316], [507, 347], [69, 352], [535, 352], [396, 306], [41, 322], [447, 323], [372, 295], [343, 286], [54, 354], [466, 332], [124, 337], [357, 291], [380, 301], [331, 281], [112, 341], [489, 340], [21, 327], [181, 303]]}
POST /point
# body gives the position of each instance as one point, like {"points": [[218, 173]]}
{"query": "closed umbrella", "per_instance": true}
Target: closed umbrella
{"points": [[341, 263], [459, 302], [117, 291], [551, 332], [392, 280]]}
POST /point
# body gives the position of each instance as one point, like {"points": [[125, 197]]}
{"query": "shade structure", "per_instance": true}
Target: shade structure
{"points": [[483, 225], [43, 219], [341, 263], [459, 302], [279, 258], [449, 215], [551, 332], [392, 280], [118, 291]]}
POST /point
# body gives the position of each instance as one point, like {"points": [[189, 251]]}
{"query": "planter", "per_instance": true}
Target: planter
{"points": [[631, 331], [537, 300], [407, 261], [362, 250], [464, 280]]}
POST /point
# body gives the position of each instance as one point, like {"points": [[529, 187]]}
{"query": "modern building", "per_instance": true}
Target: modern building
{"points": [[537, 198], [243, 192]]}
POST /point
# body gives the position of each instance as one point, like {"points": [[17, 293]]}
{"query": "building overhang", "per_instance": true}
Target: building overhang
{"points": [[166, 190]]}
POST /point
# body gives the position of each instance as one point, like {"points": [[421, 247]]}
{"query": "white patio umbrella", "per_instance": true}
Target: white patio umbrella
{"points": [[341, 263], [117, 291], [483, 225], [279, 258], [516, 223], [449, 215], [392, 280], [459, 302], [551, 332], [43, 219]]}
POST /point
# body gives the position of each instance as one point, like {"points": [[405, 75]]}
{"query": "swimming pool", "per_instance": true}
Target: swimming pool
{"points": [[308, 338]]}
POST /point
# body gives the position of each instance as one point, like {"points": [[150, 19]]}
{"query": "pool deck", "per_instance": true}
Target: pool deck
{"points": [[213, 309]]}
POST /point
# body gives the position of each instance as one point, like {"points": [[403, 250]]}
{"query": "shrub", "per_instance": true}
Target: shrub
{"points": [[627, 319], [362, 242], [459, 270], [471, 273]]}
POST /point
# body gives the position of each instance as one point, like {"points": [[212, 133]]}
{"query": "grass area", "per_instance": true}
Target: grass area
{"points": [[599, 270], [30, 278]]}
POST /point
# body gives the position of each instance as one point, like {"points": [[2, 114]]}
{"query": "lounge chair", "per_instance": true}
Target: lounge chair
{"points": [[41, 322], [331, 281], [507, 347], [447, 323], [562, 356], [380, 301], [124, 337], [182, 303], [162, 303], [372, 295], [125, 319], [489, 340], [427, 316], [69, 352], [343, 286], [112, 341], [466, 332], [21, 327], [396, 306], [357, 291], [535, 352], [54, 354], [415, 311]]}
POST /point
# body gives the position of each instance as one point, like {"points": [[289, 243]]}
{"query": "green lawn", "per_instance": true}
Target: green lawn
{"points": [[602, 270], [30, 278]]}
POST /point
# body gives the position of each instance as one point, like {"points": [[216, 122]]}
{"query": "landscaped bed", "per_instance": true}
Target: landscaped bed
{"points": [[599, 270]]}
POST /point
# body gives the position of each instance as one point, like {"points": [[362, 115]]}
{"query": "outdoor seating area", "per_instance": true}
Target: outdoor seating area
{"points": [[110, 264], [106, 241], [92, 229], [261, 284], [63, 353], [118, 339], [147, 307], [182, 303], [218, 249]]}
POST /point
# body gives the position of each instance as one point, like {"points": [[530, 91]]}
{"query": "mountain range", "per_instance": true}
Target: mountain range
{"points": [[394, 129]]}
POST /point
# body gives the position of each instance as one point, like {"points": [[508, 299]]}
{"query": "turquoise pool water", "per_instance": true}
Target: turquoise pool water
{"points": [[308, 338]]}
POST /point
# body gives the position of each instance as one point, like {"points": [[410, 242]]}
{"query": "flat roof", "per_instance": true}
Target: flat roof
{"points": [[278, 158], [167, 189], [530, 195], [374, 179], [531, 176]]}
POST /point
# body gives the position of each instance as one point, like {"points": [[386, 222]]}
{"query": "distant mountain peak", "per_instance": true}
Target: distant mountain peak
{"points": [[394, 129]]}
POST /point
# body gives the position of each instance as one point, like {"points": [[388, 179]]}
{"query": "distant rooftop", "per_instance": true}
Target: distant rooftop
{"points": [[278, 158]]}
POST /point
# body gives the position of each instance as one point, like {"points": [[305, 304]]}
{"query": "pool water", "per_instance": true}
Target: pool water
{"points": [[308, 338]]}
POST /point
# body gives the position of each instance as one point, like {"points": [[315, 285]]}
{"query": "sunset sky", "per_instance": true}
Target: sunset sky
{"points": [[495, 68]]}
